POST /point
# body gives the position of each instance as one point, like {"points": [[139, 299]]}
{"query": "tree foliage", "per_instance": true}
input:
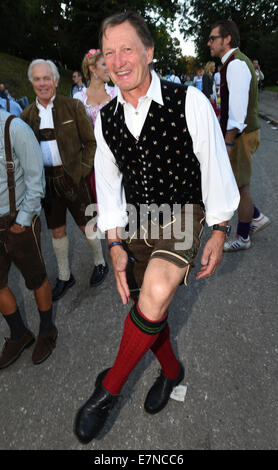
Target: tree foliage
{"points": [[64, 31], [257, 21]]}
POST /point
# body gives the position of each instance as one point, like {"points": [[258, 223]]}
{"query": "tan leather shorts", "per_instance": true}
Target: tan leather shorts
{"points": [[178, 243]]}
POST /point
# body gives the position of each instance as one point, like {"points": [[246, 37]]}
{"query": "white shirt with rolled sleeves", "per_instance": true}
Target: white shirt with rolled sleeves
{"points": [[219, 188], [238, 80]]}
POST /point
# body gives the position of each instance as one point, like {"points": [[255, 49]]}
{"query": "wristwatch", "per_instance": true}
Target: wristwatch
{"points": [[222, 228]]}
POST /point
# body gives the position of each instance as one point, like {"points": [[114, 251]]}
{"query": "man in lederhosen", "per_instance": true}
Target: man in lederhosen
{"points": [[157, 144], [68, 146], [239, 120], [22, 186]]}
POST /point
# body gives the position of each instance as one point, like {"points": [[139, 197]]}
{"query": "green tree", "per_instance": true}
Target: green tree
{"points": [[64, 31], [83, 19], [257, 21]]}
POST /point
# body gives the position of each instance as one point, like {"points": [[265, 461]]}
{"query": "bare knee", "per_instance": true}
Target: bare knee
{"points": [[155, 298]]}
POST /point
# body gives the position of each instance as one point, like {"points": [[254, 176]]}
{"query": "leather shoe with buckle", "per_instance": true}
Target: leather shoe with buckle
{"points": [[99, 274], [13, 348], [45, 344], [61, 288], [92, 416], [159, 394]]}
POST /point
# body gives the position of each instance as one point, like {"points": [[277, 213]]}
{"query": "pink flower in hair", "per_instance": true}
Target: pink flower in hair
{"points": [[92, 52]]}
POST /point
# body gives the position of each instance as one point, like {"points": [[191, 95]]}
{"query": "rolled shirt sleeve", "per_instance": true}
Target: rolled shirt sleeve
{"points": [[219, 189], [27, 150], [110, 191], [238, 81]]}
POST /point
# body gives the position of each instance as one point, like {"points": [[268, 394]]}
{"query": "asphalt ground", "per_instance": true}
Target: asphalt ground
{"points": [[223, 329]]}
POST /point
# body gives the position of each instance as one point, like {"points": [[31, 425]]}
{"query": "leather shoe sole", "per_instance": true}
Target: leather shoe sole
{"points": [[61, 288], [159, 394]]}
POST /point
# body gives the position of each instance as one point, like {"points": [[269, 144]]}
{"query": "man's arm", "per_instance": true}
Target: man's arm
{"points": [[119, 260], [112, 215], [219, 188], [29, 153], [212, 253], [238, 81]]}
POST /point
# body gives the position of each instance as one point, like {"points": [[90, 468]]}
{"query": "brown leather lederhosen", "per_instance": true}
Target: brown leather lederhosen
{"points": [[23, 249]]}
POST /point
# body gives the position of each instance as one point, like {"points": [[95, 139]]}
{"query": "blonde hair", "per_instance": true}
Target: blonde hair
{"points": [[208, 67], [90, 59]]}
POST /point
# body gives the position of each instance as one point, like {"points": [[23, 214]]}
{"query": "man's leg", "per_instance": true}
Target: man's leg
{"points": [[65, 279], [48, 333], [10, 312], [43, 297], [250, 220], [60, 243], [160, 282], [20, 336], [143, 326], [101, 267]]}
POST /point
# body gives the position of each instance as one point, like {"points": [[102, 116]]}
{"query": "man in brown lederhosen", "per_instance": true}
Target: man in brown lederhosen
{"points": [[158, 144], [68, 146], [21, 189]]}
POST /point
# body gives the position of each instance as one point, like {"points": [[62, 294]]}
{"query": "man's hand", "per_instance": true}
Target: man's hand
{"points": [[119, 260], [212, 254], [17, 228]]}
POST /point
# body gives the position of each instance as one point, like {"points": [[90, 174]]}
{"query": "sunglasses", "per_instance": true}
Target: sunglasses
{"points": [[212, 38]]}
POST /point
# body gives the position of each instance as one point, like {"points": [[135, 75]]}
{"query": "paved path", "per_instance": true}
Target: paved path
{"points": [[268, 106], [224, 330]]}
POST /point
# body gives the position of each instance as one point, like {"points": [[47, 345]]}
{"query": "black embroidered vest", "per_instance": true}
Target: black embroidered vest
{"points": [[160, 167]]}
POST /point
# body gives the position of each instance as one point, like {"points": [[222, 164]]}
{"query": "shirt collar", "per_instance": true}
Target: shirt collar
{"points": [[49, 106], [227, 55], [153, 93]]}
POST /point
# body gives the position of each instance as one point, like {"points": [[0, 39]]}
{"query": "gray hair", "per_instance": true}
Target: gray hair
{"points": [[55, 72]]}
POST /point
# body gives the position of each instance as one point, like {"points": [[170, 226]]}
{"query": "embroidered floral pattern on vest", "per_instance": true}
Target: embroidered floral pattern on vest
{"points": [[160, 167]]}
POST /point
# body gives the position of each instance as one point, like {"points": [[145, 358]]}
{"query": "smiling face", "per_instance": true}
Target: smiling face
{"points": [[43, 83], [127, 60]]}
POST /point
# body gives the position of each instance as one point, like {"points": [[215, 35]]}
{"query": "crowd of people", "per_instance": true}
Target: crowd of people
{"points": [[142, 142]]}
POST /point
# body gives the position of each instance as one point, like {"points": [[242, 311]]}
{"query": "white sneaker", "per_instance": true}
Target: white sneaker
{"points": [[259, 223], [238, 244]]}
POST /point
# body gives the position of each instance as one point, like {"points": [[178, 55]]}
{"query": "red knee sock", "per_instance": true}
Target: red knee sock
{"points": [[163, 351], [138, 336]]}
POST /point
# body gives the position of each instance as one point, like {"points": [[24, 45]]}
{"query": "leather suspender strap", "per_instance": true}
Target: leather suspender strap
{"points": [[10, 167]]}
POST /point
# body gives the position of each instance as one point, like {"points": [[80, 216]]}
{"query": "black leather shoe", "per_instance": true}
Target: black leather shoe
{"points": [[99, 274], [61, 288], [160, 392], [91, 418]]}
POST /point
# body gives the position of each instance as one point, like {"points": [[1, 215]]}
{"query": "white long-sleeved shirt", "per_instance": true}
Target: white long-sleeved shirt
{"points": [[238, 80], [219, 189], [50, 151]]}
